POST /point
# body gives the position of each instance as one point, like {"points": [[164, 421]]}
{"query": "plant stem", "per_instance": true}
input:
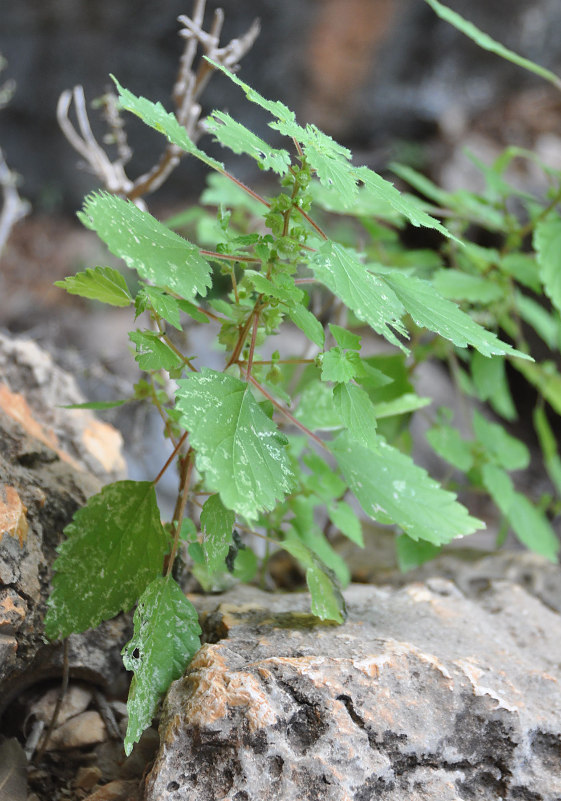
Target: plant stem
{"points": [[287, 414], [212, 254], [246, 188], [180, 504], [252, 346], [171, 458], [281, 361], [183, 358]]}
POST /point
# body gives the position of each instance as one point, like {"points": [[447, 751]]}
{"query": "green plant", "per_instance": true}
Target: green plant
{"points": [[275, 440]]}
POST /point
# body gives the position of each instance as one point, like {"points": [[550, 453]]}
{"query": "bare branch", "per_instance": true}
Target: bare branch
{"points": [[189, 85], [13, 207]]}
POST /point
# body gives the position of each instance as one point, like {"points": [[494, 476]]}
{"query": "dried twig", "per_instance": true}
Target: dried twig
{"points": [[13, 206], [189, 85]]}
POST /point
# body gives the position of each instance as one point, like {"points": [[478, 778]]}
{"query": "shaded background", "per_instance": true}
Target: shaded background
{"points": [[373, 73]]}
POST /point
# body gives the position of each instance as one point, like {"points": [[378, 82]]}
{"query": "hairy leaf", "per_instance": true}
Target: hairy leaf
{"points": [[364, 293], [357, 413], [114, 548], [155, 115], [164, 305], [98, 283], [491, 383], [239, 449], [391, 488], [547, 241], [159, 255], [165, 638], [217, 524], [431, 311], [548, 444], [487, 43], [240, 139], [152, 353]]}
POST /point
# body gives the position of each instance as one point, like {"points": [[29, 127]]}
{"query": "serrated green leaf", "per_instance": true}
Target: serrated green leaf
{"points": [[327, 602], [190, 309], [391, 488], [528, 523], [448, 443], [344, 518], [331, 163], [404, 404], [501, 447], [217, 524], [491, 383], [431, 311], [345, 339], [164, 305], [240, 451], [357, 413], [487, 43], [411, 554], [155, 115], [165, 639], [280, 287], [547, 242], [274, 107], [457, 285], [364, 293], [159, 255], [387, 192], [315, 408], [240, 139], [307, 323], [339, 366], [114, 547], [152, 353], [98, 283]]}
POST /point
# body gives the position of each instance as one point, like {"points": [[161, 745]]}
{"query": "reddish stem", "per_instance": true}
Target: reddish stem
{"points": [[287, 414], [171, 458], [179, 511]]}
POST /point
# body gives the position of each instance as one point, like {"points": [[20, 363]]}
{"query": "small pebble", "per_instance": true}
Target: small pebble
{"points": [[76, 700], [85, 729], [87, 778]]}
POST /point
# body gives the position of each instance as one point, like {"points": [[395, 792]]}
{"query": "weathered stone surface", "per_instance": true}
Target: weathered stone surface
{"points": [[44, 478], [422, 694]]}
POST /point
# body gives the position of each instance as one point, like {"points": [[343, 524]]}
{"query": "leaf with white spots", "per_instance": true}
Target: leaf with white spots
{"points": [[238, 448], [391, 488], [159, 255], [429, 310], [114, 547], [364, 293], [165, 639]]}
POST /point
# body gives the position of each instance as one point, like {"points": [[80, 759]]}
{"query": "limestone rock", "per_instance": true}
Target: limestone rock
{"points": [[45, 475], [423, 694]]}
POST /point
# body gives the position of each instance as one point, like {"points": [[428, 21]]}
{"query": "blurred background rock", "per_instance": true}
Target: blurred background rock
{"points": [[379, 75]]}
